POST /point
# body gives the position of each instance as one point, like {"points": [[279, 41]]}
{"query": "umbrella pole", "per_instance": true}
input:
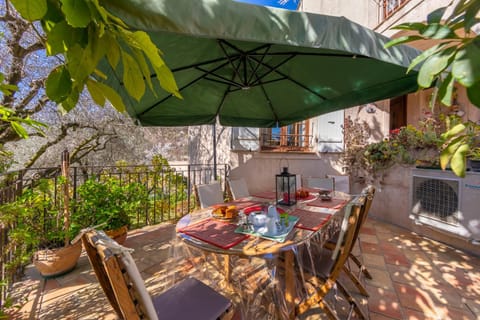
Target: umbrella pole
{"points": [[214, 133]]}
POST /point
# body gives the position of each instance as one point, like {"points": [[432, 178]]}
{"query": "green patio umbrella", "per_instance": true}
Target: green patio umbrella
{"points": [[255, 66]]}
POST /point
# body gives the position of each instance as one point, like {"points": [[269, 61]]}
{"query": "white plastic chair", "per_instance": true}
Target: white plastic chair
{"points": [[238, 188], [342, 183], [209, 194], [320, 183]]}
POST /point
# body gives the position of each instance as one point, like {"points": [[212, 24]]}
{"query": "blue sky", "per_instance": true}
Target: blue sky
{"points": [[290, 4]]}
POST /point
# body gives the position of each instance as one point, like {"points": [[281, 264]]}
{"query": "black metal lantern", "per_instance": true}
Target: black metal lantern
{"points": [[286, 188]]}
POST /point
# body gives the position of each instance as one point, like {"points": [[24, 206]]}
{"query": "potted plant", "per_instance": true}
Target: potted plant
{"points": [[110, 204], [39, 232]]}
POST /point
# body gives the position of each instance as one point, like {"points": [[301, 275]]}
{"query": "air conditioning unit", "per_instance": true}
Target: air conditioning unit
{"points": [[446, 202]]}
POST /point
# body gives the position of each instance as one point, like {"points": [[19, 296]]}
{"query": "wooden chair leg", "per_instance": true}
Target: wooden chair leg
{"points": [[360, 265], [351, 300], [356, 281]]}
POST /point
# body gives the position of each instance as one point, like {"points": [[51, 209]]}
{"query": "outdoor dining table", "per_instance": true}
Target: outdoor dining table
{"points": [[317, 220]]}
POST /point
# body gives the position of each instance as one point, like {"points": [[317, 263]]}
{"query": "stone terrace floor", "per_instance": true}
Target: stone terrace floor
{"points": [[413, 278]]}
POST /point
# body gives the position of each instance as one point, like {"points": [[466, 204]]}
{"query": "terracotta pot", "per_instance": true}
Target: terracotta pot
{"points": [[119, 235], [56, 262]]}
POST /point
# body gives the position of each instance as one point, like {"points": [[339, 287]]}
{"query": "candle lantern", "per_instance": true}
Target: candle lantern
{"points": [[286, 188]]}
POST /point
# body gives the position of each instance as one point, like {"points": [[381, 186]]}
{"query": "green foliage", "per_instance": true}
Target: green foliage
{"points": [[85, 33], [455, 59], [110, 202], [36, 220], [462, 140], [8, 115], [405, 146]]}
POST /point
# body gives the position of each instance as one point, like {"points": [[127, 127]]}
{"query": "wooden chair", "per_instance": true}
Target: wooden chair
{"points": [[209, 194], [369, 193], [321, 269], [122, 283], [238, 188]]}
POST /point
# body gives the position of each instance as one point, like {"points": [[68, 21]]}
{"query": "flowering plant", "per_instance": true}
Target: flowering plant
{"points": [[406, 145]]}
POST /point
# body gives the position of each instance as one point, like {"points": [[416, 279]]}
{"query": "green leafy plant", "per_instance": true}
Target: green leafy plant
{"points": [[84, 33], [36, 221], [462, 141], [405, 146], [454, 59], [109, 202]]}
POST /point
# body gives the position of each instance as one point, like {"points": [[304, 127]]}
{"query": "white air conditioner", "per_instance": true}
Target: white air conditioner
{"points": [[446, 202]]}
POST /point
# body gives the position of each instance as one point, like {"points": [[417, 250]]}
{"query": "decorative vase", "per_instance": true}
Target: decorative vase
{"points": [[119, 235], [56, 262]]}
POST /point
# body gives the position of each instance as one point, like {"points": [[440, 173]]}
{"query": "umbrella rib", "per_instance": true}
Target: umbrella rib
{"points": [[235, 68], [254, 70], [180, 89], [271, 68], [293, 80], [260, 83]]}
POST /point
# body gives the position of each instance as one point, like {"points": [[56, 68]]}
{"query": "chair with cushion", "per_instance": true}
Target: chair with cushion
{"points": [[238, 188], [319, 183], [124, 287], [321, 267], [209, 194]]}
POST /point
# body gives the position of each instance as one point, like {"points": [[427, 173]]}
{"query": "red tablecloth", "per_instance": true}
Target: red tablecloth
{"points": [[310, 220], [265, 194], [216, 232]]}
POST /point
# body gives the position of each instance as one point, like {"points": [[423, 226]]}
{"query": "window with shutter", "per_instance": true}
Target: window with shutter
{"points": [[329, 132], [245, 139]]}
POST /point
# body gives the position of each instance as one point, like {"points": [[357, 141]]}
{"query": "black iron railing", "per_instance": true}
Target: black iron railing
{"points": [[169, 195]]}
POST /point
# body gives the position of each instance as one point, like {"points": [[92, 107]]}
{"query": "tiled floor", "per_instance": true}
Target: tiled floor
{"points": [[413, 278]]}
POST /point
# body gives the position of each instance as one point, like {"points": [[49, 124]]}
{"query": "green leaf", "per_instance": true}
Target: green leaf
{"points": [[113, 52], [438, 31], [140, 59], [424, 55], [112, 96], [31, 10], [71, 101], [435, 64], [76, 13], [458, 163], [456, 130], [58, 37], [164, 75], [436, 15], [413, 26], [473, 93], [96, 92], [59, 84], [445, 90], [19, 129], [79, 63], [466, 66], [471, 14], [132, 77], [401, 40]]}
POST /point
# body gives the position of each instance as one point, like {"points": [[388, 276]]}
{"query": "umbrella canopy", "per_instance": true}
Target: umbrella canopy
{"points": [[256, 66]]}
